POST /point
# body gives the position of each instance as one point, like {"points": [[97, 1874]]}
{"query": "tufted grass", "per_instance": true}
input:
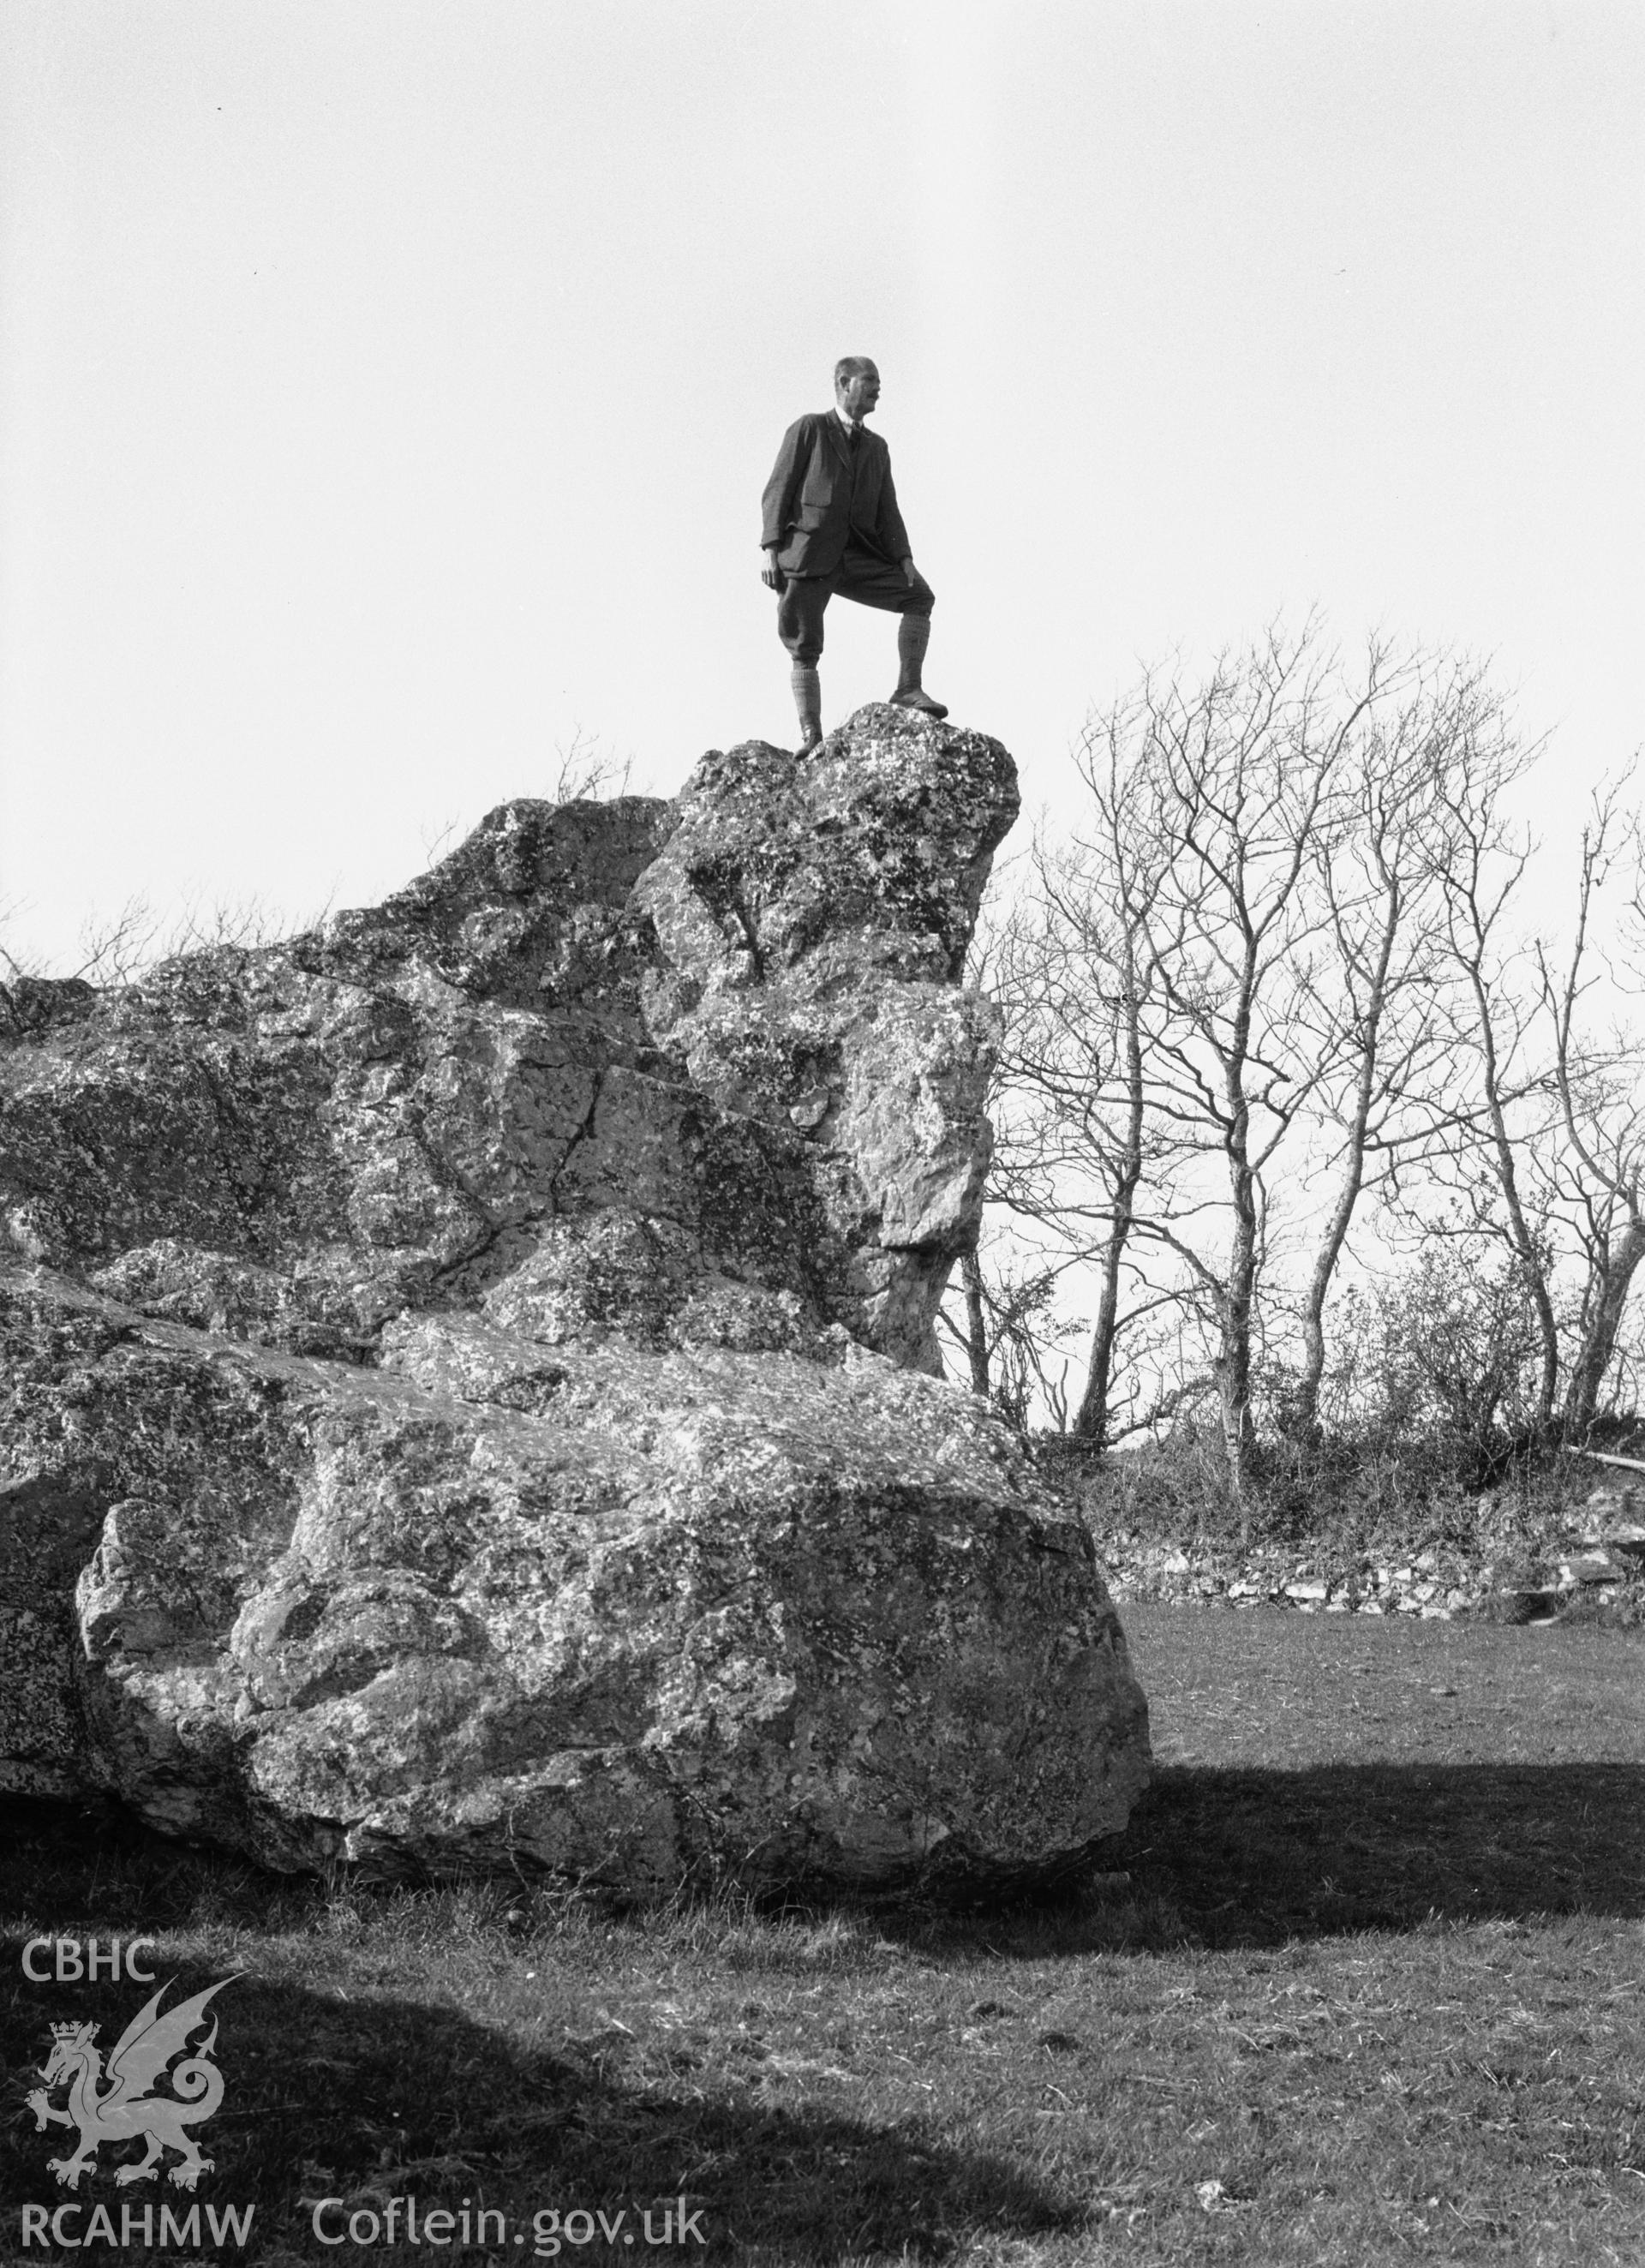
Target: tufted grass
{"points": [[1364, 1982]]}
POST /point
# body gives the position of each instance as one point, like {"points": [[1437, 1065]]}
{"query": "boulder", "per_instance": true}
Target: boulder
{"points": [[625, 1615], [812, 915], [470, 1395]]}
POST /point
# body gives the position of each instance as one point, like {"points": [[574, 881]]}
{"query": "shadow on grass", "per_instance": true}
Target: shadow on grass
{"points": [[388, 2094], [378, 2095], [1251, 1858]]}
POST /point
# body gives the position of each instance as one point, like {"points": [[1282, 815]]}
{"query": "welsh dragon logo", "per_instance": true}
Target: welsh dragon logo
{"points": [[124, 2110]]}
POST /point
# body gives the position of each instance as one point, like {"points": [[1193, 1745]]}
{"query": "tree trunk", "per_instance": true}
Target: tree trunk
{"points": [[1305, 1421], [1090, 1419], [976, 1321], [1612, 1276], [1521, 1236], [1233, 1365]]}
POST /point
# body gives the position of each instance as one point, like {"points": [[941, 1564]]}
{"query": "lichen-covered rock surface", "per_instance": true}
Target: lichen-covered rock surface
{"points": [[464, 1396]]}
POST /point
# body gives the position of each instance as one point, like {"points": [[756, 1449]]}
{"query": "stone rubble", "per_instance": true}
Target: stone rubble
{"points": [[1602, 1561]]}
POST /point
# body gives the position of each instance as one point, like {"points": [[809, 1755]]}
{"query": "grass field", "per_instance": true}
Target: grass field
{"points": [[1364, 1982]]}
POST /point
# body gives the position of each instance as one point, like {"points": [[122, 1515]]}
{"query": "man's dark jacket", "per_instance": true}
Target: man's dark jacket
{"points": [[825, 491]]}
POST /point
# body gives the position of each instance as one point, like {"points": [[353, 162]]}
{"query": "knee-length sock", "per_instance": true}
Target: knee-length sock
{"points": [[913, 635], [807, 699]]}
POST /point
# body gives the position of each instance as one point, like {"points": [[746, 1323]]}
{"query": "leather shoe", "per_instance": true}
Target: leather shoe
{"points": [[916, 697]]}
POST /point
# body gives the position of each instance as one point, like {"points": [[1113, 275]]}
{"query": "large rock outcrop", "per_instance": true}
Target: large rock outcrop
{"points": [[464, 1396]]}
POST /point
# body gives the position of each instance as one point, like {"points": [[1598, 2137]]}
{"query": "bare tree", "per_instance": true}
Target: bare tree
{"points": [[1228, 804], [1436, 731], [1072, 966], [1012, 1335], [1548, 1154], [588, 772], [115, 950], [1225, 986], [1509, 1112], [1596, 1076]]}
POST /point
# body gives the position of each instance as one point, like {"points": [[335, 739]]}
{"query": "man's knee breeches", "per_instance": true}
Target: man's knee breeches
{"points": [[800, 615], [870, 583], [918, 597]]}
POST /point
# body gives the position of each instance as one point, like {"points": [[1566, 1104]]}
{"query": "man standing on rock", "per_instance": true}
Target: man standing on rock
{"points": [[832, 524]]}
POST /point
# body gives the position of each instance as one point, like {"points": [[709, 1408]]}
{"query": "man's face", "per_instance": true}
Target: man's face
{"points": [[857, 396]]}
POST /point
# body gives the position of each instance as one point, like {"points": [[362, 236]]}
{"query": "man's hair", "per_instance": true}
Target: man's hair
{"points": [[851, 366]]}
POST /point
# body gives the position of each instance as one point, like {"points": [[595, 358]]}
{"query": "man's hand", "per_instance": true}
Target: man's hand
{"points": [[771, 574], [908, 574]]}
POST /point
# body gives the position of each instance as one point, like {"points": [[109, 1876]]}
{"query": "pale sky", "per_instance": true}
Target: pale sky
{"points": [[388, 386]]}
